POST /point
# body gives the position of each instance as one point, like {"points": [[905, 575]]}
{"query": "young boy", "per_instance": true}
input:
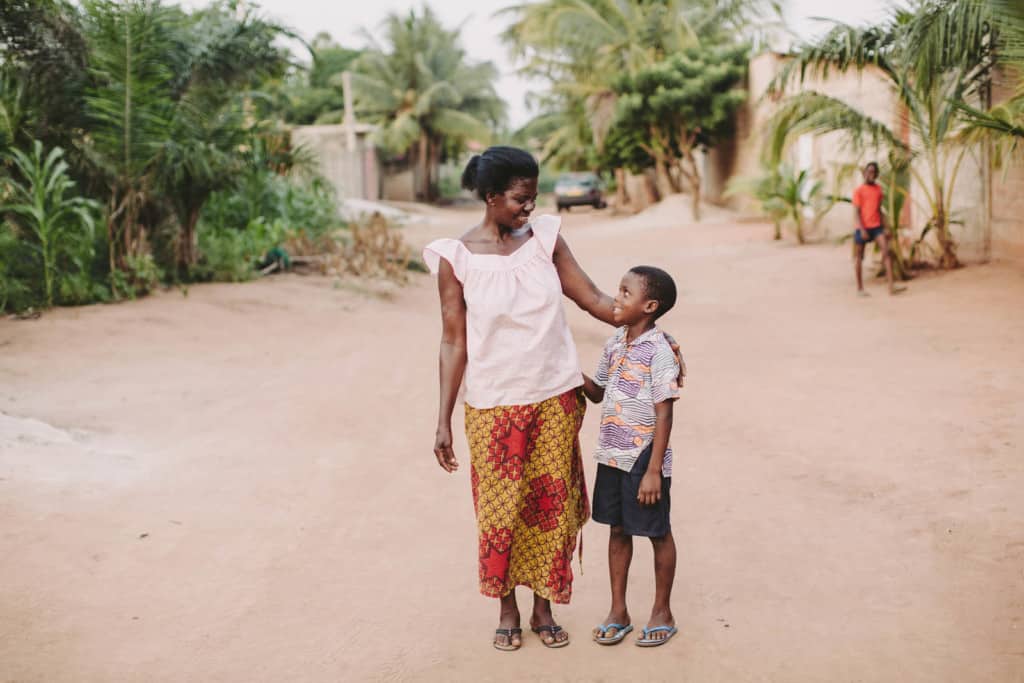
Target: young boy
{"points": [[867, 203], [637, 382]]}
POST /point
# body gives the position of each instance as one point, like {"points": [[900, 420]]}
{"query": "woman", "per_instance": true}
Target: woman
{"points": [[506, 335]]}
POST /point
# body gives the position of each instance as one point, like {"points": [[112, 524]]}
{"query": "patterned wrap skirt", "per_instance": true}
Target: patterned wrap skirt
{"points": [[529, 494]]}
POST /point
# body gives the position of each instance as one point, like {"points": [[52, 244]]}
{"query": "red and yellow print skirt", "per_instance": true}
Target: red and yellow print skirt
{"points": [[529, 493]]}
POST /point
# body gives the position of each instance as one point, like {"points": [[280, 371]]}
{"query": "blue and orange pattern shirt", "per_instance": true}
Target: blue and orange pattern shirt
{"points": [[635, 376]]}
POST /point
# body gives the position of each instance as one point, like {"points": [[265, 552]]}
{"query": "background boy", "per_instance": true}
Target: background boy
{"points": [[867, 203]]}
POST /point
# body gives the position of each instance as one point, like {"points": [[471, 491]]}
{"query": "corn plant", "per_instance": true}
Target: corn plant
{"points": [[57, 226]]}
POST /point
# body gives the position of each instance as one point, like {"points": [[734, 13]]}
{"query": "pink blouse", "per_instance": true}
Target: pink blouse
{"points": [[518, 343]]}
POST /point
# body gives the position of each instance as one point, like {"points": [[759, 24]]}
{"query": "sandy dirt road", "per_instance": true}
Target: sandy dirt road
{"points": [[238, 485]]}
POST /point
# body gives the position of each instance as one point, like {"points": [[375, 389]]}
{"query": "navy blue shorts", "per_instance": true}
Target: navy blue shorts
{"points": [[615, 502], [873, 234]]}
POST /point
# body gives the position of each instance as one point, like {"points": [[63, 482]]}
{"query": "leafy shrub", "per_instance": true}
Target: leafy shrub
{"points": [[230, 255], [49, 240]]}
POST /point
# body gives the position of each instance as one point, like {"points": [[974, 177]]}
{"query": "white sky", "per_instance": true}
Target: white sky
{"points": [[481, 30]]}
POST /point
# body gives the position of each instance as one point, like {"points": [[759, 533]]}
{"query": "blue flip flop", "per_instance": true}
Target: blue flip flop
{"points": [[647, 641], [622, 631]]}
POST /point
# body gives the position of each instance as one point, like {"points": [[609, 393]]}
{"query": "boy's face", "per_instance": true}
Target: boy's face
{"points": [[870, 174], [631, 303], [512, 208]]}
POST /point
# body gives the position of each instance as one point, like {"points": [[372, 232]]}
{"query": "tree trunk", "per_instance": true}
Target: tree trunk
{"points": [[434, 170], [948, 258], [664, 178], [692, 175], [778, 231], [621, 194], [695, 188], [422, 192], [651, 188], [799, 220], [188, 252]]}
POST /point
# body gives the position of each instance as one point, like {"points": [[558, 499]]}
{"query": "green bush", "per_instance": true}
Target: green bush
{"points": [[48, 244], [230, 255], [238, 227]]}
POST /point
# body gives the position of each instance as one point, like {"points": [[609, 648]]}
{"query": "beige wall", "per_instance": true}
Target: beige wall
{"points": [[1007, 195], [352, 173]]}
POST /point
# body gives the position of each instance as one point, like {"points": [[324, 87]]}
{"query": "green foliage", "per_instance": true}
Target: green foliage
{"points": [[311, 94], [166, 122], [231, 255], [580, 47], [43, 58], [52, 239], [241, 225], [669, 109], [427, 97]]}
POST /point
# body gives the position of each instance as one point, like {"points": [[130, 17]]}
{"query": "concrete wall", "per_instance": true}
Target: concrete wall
{"points": [[1007, 193], [353, 173]]}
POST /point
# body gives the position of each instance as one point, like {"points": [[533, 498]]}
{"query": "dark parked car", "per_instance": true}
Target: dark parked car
{"points": [[579, 189]]}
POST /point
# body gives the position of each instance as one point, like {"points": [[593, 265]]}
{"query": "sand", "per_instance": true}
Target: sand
{"points": [[238, 484]]}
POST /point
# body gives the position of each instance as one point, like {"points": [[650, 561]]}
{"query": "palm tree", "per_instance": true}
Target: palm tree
{"points": [[165, 119], [930, 82], [581, 46], [1003, 124], [424, 93], [130, 108]]}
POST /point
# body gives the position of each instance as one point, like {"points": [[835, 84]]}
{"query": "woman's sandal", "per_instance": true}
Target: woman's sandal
{"points": [[554, 631], [508, 633]]}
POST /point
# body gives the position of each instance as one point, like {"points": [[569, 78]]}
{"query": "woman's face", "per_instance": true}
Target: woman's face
{"points": [[512, 208]]}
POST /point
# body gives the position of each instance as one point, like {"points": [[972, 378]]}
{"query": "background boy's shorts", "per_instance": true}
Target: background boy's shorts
{"points": [[873, 234], [615, 502]]}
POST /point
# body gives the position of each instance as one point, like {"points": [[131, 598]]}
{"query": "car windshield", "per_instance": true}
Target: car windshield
{"points": [[577, 180]]}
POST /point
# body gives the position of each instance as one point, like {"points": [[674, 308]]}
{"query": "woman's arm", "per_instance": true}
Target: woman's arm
{"points": [[578, 286], [452, 361]]}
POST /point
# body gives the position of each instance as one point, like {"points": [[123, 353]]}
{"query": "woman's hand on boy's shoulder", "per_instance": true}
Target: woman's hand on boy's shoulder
{"points": [[674, 345]]}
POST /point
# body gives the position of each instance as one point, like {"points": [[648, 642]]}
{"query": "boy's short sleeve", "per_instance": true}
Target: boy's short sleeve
{"points": [[857, 198], [664, 374], [601, 376]]}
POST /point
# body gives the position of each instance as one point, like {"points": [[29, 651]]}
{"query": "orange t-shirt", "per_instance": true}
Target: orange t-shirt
{"points": [[868, 198]]}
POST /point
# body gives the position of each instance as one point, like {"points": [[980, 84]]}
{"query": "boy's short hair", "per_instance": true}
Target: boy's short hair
{"points": [[870, 164], [659, 286]]}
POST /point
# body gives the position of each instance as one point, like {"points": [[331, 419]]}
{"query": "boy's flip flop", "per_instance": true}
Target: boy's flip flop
{"points": [[622, 630], [553, 630], [508, 633], [647, 641]]}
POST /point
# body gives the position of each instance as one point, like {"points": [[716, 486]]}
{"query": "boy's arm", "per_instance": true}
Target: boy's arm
{"points": [[592, 390], [857, 220], [650, 485], [593, 387]]}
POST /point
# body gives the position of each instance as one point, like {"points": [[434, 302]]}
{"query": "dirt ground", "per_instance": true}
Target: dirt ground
{"points": [[238, 484]]}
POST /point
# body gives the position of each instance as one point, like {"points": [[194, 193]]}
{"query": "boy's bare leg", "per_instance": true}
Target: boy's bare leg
{"points": [[664, 575], [883, 244], [508, 617], [542, 616], [620, 555], [858, 261]]}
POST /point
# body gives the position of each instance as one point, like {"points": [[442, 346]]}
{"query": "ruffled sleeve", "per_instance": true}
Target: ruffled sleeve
{"points": [[545, 229], [452, 251]]}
